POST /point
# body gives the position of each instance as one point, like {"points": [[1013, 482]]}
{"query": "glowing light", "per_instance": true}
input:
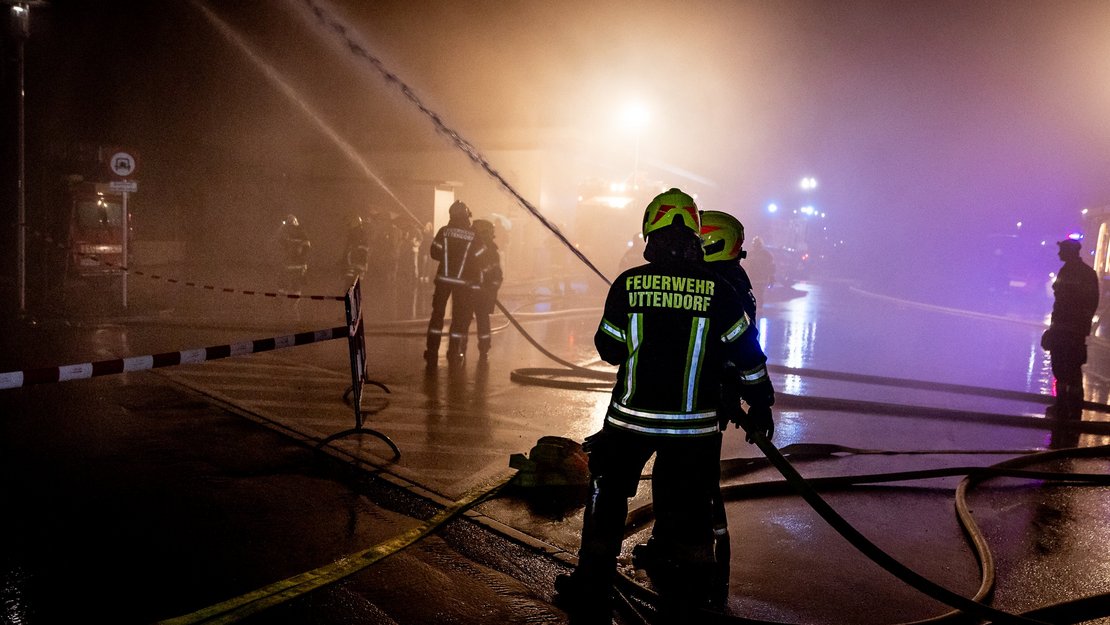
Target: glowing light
{"points": [[772, 208], [635, 115], [808, 183], [1019, 224], [1084, 211]]}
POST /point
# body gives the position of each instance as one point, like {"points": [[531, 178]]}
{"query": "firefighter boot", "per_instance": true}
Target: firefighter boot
{"points": [[431, 352], [722, 556], [456, 349]]}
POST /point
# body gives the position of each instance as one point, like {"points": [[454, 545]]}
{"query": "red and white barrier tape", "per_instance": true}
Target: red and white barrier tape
{"points": [[45, 375], [208, 287]]}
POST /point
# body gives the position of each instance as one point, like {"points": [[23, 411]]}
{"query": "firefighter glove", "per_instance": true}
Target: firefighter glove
{"points": [[758, 419], [728, 407], [759, 393]]}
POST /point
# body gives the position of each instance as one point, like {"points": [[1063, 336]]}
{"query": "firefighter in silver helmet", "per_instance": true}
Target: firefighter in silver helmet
{"points": [[294, 254], [356, 251], [454, 246], [679, 335]]}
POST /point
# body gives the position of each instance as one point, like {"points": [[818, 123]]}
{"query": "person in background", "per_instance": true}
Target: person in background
{"points": [[294, 254], [1074, 305], [356, 251], [674, 329], [761, 270], [483, 278], [454, 246]]}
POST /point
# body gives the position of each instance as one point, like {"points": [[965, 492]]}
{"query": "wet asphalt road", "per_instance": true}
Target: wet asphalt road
{"points": [[136, 500], [129, 500]]}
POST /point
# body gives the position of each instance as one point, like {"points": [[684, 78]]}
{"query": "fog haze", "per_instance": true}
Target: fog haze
{"points": [[929, 126]]}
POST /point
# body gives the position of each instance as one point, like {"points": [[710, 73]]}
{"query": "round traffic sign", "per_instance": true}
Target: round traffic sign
{"points": [[122, 164]]}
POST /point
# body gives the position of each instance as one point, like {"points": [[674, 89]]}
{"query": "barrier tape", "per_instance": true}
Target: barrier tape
{"points": [[208, 287], [65, 373]]}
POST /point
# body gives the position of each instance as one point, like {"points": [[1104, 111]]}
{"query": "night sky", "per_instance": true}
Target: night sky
{"points": [[929, 125]]}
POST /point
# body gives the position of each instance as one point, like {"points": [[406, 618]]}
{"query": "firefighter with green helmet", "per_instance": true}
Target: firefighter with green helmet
{"points": [[684, 349], [722, 237]]}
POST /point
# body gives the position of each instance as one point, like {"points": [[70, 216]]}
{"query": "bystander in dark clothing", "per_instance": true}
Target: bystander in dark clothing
{"points": [[1076, 292]]}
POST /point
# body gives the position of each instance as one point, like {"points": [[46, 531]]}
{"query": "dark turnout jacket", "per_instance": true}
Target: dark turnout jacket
{"points": [[454, 246], [671, 328], [1076, 301]]}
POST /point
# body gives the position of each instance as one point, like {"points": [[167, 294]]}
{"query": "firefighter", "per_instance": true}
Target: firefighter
{"points": [[454, 246], [294, 253], [679, 335], [722, 238], [1076, 293], [483, 278], [761, 269], [356, 251]]}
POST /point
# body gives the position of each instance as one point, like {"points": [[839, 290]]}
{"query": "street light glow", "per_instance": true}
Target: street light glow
{"points": [[772, 208], [809, 183], [635, 116]]}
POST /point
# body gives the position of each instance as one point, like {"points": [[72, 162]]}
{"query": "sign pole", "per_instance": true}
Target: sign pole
{"points": [[123, 259]]}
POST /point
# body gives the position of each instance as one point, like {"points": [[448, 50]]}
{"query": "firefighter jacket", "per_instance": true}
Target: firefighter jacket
{"points": [[294, 247], [672, 328], [1076, 299], [483, 276], [734, 274], [454, 246]]}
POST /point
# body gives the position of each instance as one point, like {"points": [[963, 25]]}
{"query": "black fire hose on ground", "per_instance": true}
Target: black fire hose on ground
{"points": [[1074, 611]]}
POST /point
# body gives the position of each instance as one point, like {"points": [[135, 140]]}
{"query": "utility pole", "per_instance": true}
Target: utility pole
{"points": [[21, 25]]}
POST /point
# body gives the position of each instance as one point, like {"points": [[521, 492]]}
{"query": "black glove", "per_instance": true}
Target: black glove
{"points": [[594, 441], [728, 407], [758, 419], [760, 393]]}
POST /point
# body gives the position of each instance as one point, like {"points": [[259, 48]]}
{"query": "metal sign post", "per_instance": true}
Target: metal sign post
{"points": [[122, 164], [356, 348], [123, 252]]}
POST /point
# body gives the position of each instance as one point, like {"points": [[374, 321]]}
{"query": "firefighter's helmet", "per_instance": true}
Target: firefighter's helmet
{"points": [[722, 236], [670, 207], [458, 209], [290, 220], [483, 228]]}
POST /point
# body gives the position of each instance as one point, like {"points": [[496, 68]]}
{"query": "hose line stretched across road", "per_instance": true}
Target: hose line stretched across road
{"points": [[639, 599], [806, 489]]}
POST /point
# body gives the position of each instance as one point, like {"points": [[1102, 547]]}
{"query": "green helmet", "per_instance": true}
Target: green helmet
{"points": [[722, 236], [670, 207]]}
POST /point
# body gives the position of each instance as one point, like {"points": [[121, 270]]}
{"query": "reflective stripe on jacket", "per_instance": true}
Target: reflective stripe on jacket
{"points": [[671, 330], [454, 246]]}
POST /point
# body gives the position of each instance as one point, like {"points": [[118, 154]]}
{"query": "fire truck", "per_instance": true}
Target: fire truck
{"points": [[95, 245]]}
